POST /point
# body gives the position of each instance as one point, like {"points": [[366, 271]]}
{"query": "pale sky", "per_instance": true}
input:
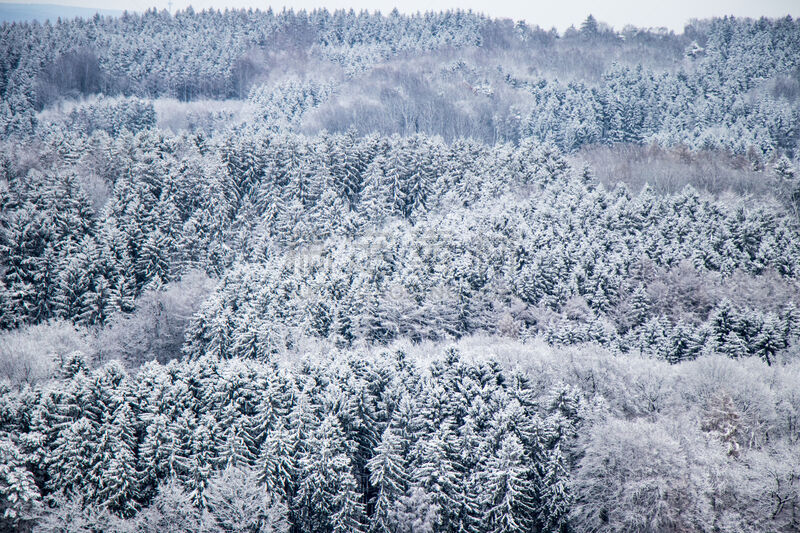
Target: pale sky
{"points": [[546, 13]]}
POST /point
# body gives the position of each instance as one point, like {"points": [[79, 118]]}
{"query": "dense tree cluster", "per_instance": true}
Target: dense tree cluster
{"points": [[112, 116], [633, 105], [736, 90], [572, 263], [283, 107], [382, 238], [380, 441], [359, 272], [346, 445]]}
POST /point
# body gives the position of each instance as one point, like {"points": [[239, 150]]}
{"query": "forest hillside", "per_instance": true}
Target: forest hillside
{"points": [[358, 272]]}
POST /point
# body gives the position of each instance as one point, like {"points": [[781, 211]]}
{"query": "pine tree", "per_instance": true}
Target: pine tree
{"points": [[118, 488], [554, 496], [389, 478], [784, 169], [681, 344], [292, 227], [234, 441], [95, 305], [438, 476], [349, 170], [722, 322], [328, 215], [768, 341], [509, 497], [734, 346], [199, 466], [327, 497], [376, 203], [396, 173], [277, 462], [348, 511], [122, 294], [71, 287], [159, 455], [45, 281], [153, 262], [218, 340], [418, 184], [639, 306], [68, 459], [19, 496]]}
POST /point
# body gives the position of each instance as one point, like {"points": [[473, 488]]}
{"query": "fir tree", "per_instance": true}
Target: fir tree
{"points": [[388, 476], [510, 499], [19, 496], [277, 462], [554, 495]]}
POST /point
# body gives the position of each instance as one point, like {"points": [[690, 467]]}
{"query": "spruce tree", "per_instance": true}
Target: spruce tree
{"points": [[554, 497], [277, 462], [389, 478], [19, 496], [510, 499]]}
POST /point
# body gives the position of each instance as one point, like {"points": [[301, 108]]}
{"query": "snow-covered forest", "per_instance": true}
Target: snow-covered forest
{"points": [[350, 272]]}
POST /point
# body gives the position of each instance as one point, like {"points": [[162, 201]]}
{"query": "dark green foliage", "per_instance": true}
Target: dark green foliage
{"points": [[595, 257], [110, 439], [345, 206]]}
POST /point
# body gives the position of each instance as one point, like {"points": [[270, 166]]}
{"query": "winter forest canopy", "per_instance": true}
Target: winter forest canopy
{"points": [[350, 272]]}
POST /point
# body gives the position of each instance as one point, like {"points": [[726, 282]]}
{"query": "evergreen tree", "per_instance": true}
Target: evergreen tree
{"points": [[768, 341], [277, 462], [376, 203], [115, 463], [153, 262], [234, 441], [509, 496], [72, 285], [19, 496], [682, 344], [327, 497], [200, 462], [639, 306], [389, 477], [438, 476], [554, 495], [160, 454]]}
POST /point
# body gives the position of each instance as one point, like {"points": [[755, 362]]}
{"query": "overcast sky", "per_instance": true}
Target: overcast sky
{"points": [[546, 13]]}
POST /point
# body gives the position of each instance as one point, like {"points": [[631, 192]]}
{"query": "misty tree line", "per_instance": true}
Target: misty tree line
{"points": [[212, 53], [726, 84], [719, 97]]}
